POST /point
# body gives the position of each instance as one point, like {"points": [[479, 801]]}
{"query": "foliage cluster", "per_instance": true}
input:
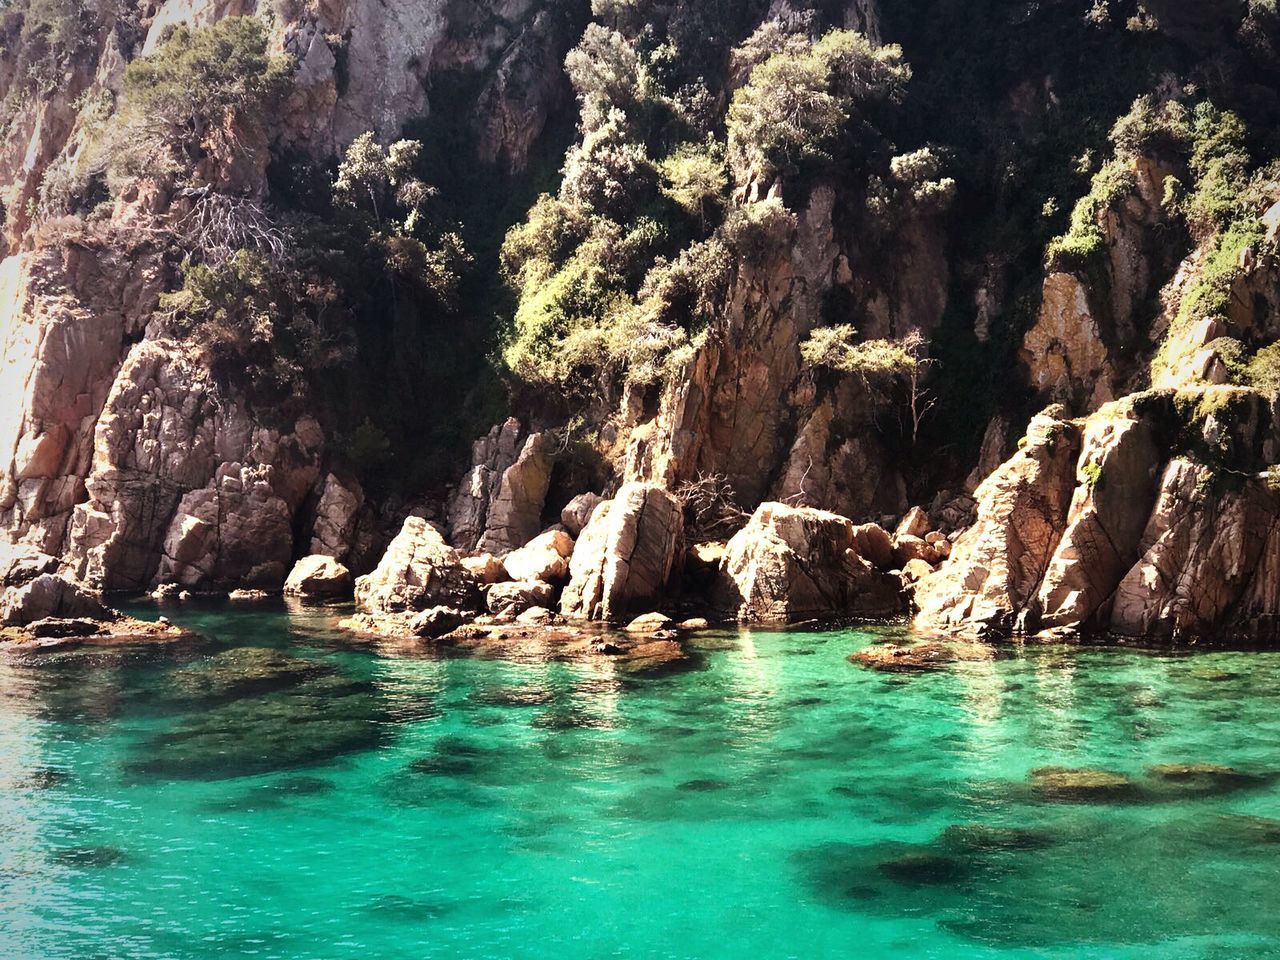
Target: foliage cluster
{"points": [[203, 92]]}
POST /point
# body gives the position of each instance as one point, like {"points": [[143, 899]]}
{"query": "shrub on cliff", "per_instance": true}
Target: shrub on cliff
{"points": [[258, 327], [799, 108], [197, 94]]}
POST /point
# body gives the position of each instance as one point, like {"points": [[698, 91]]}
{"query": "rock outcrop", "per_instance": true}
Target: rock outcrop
{"points": [[797, 563], [624, 560], [418, 571], [997, 565], [318, 577], [1154, 518]]}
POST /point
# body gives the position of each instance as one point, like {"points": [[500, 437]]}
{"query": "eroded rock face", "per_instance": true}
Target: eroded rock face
{"points": [[1171, 531], [418, 571], [1115, 485], [49, 596], [186, 487], [745, 408], [515, 512], [996, 566], [625, 557], [797, 563], [333, 531]]}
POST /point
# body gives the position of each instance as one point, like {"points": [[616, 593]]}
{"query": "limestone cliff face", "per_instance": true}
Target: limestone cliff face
{"points": [[745, 407], [118, 452], [1096, 330], [1154, 517]]}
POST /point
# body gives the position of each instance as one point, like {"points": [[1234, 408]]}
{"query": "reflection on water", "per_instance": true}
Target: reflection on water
{"points": [[281, 790]]}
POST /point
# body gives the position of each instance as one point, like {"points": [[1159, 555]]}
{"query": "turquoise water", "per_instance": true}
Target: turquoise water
{"points": [[283, 792]]}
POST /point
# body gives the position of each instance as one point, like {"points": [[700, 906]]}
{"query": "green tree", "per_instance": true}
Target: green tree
{"points": [[694, 177]]}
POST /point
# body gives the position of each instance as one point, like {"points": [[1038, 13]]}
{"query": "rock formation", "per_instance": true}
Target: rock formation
{"points": [[796, 563], [624, 560]]}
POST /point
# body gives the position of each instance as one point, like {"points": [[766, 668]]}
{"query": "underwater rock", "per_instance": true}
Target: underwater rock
{"points": [[244, 671], [1083, 785], [917, 657], [99, 856]]}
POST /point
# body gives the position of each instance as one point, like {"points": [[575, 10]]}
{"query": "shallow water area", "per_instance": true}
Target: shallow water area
{"points": [[285, 791]]}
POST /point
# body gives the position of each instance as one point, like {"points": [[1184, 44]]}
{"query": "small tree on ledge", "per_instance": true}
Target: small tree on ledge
{"points": [[881, 364]]}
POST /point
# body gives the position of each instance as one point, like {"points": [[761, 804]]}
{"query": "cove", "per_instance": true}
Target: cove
{"points": [[281, 790]]}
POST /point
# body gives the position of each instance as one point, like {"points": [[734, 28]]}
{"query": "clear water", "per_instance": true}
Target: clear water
{"points": [[773, 800]]}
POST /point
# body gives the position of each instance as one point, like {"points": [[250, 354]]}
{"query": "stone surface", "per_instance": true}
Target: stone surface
{"points": [[516, 596], [318, 576], [418, 571], [50, 596], [486, 568], [577, 512], [626, 555], [797, 563], [996, 566], [874, 544], [437, 621], [914, 524], [545, 557], [515, 513]]}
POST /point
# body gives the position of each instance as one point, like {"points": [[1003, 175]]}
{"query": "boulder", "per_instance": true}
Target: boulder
{"points": [[418, 571], [625, 557], [915, 570], [486, 568], [914, 524], [997, 564], [538, 616], [545, 557], [908, 548], [50, 596], [796, 563], [516, 596], [319, 575], [515, 515], [436, 622], [333, 532], [577, 512], [649, 623], [874, 544]]}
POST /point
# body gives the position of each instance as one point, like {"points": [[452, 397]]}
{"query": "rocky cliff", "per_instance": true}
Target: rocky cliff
{"points": [[772, 273]]}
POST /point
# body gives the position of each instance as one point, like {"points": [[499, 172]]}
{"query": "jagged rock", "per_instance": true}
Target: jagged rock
{"points": [[914, 524], [515, 515], [436, 622], [1198, 559], [486, 568], [317, 576], [419, 570], [20, 564], [577, 512], [874, 544], [626, 554], [545, 557], [1113, 496], [516, 596], [993, 452], [996, 566], [333, 532], [50, 596], [239, 594], [491, 455], [796, 563]]}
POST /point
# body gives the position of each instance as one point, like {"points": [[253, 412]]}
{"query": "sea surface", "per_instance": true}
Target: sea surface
{"points": [[284, 792]]}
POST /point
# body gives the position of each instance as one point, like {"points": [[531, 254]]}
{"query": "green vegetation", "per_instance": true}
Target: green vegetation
{"points": [[260, 328], [202, 94], [1083, 243], [802, 105]]}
